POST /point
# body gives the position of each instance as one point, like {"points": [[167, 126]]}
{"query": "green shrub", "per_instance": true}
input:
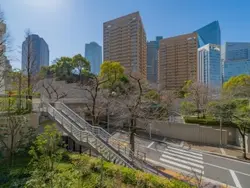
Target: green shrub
{"points": [[128, 176], [207, 121]]}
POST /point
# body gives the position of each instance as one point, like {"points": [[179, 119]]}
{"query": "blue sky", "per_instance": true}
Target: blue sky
{"points": [[67, 25]]}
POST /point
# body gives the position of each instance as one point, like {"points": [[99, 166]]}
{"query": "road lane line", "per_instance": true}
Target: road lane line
{"points": [[182, 161], [209, 164], [185, 158], [185, 154], [182, 166], [150, 144], [222, 151], [182, 150], [236, 181]]}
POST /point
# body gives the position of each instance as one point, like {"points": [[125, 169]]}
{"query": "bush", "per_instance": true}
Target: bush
{"points": [[207, 121]]}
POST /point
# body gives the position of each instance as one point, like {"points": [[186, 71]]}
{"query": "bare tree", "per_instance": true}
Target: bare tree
{"points": [[5, 44], [199, 94], [14, 134], [29, 61], [95, 103], [53, 90]]}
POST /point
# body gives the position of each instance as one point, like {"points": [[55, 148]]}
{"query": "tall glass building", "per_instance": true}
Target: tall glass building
{"points": [[35, 51], [235, 58], [209, 66], [152, 59], [209, 34], [93, 53]]}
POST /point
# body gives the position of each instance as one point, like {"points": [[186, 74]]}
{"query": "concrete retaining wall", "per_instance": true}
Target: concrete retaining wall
{"points": [[187, 132]]}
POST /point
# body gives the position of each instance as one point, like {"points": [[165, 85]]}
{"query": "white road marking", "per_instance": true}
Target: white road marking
{"points": [[236, 181], [185, 158], [222, 151], [182, 150], [182, 166], [182, 161], [209, 164], [150, 144], [185, 154]]}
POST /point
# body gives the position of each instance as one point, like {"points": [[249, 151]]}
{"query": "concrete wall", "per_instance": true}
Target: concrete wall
{"points": [[188, 132], [239, 140]]}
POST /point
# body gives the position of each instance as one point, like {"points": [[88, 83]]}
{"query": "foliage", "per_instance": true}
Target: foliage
{"points": [[238, 85], [113, 72], [208, 121], [46, 153], [187, 108], [153, 95]]}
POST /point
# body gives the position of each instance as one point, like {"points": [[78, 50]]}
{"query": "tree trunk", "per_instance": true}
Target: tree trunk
{"points": [[244, 155], [132, 134]]}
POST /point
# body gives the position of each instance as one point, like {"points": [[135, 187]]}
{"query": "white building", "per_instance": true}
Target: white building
{"points": [[209, 69]]}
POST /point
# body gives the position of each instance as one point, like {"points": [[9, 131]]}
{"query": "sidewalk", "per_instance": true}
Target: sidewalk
{"points": [[233, 152]]}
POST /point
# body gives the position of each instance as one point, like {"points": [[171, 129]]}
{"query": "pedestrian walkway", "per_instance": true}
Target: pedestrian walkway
{"points": [[183, 160]]}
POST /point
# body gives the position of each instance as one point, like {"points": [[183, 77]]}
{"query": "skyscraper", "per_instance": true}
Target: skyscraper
{"points": [[35, 52], [178, 56], [209, 34], [152, 59], [124, 41], [235, 59], [177, 61], [93, 53], [209, 66]]}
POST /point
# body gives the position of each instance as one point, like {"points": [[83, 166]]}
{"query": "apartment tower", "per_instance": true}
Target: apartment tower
{"points": [[124, 41], [178, 56]]}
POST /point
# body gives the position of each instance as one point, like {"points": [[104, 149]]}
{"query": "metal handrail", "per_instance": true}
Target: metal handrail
{"points": [[77, 133], [107, 137]]}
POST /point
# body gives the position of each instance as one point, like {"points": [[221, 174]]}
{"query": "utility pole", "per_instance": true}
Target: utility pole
{"points": [[107, 112], [220, 130]]}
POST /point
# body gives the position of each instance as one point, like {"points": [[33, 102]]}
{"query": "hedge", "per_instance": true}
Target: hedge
{"points": [[207, 121]]}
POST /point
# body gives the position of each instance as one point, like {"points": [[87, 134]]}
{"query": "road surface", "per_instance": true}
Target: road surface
{"points": [[187, 161]]}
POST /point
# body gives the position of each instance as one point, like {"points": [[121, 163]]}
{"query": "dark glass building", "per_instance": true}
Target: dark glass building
{"points": [[36, 51], [152, 59], [93, 53]]}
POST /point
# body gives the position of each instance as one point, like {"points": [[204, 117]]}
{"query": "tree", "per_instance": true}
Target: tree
{"points": [[46, 153], [241, 117], [4, 47], [135, 103], [53, 90], [198, 94], [95, 102], [113, 72], [29, 60], [238, 86], [81, 64]]}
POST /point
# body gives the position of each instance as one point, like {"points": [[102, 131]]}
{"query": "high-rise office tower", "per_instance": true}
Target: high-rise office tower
{"points": [[152, 59], [235, 59], [124, 40], [93, 53], [209, 66], [178, 56], [35, 52]]}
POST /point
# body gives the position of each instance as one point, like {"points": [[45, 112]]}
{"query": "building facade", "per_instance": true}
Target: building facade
{"points": [[235, 59], [209, 66], [209, 34], [152, 59], [177, 61], [124, 41], [93, 53], [178, 56], [35, 51]]}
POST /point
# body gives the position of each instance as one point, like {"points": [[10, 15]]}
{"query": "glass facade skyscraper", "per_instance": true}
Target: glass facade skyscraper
{"points": [[209, 66], [35, 51], [152, 59], [93, 53], [209, 34], [235, 58]]}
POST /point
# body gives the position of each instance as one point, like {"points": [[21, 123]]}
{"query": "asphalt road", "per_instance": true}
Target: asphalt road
{"points": [[183, 160]]}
